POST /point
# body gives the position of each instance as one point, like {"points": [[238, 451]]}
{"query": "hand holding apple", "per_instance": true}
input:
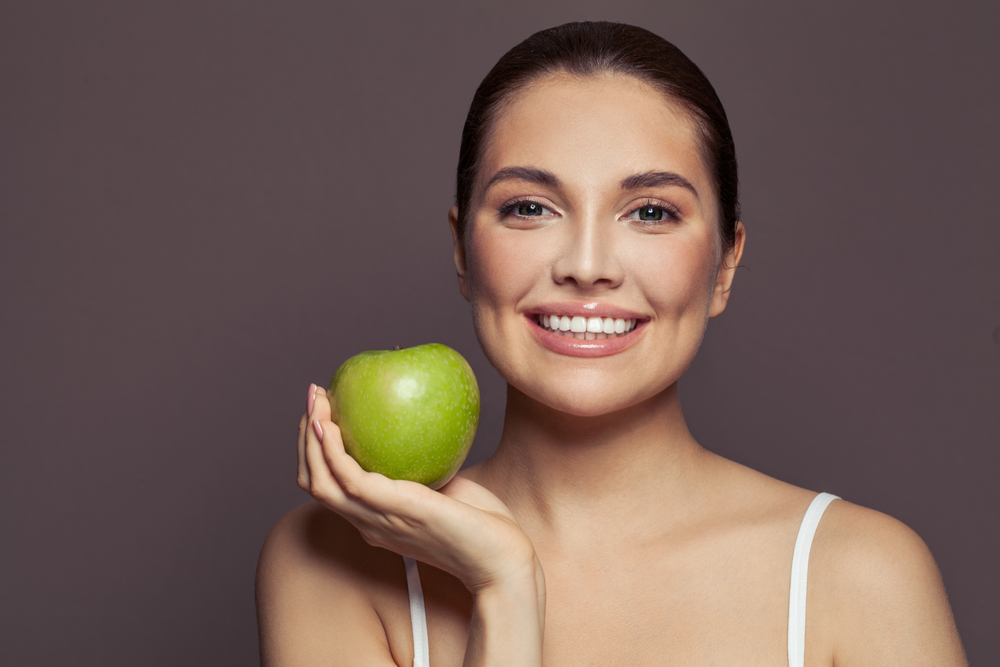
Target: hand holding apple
{"points": [[411, 415], [463, 528], [407, 413]]}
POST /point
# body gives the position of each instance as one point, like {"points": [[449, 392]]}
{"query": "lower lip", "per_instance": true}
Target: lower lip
{"points": [[575, 347]]}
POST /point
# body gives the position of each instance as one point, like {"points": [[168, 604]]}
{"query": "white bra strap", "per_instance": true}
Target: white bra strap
{"points": [[418, 615], [800, 571]]}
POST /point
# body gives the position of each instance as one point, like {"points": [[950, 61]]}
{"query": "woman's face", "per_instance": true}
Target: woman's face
{"points": [[593, 202]]}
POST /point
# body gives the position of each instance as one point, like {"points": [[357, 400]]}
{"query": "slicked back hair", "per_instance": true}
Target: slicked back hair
{"points": [[590, 49]]}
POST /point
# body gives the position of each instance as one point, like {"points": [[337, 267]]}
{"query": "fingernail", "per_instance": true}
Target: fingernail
{"points": [[318, 429], [311, 400]]}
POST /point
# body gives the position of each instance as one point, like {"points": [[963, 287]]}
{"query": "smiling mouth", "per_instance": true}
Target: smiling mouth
{"points": [[587, 328]]}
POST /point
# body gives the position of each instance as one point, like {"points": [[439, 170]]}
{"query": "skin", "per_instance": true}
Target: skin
{"points": [[600, 532]]}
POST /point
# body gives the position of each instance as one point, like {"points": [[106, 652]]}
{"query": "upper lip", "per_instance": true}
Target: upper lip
{"points": [[586, 309]]}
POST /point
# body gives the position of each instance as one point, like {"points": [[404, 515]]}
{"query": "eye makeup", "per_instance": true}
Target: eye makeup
{"points": [[523, 208], [649, 212], [654, 211]]}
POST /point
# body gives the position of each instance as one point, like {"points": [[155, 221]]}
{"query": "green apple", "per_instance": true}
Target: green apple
{"points": [[407, 413]]}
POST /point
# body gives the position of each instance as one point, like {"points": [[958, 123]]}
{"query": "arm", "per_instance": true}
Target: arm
{"points": [[882, 594], [312, 606], [464, 530], [514, 608]]}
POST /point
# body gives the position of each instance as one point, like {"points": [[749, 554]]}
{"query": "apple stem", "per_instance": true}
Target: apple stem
{"points": [[397, 348]]}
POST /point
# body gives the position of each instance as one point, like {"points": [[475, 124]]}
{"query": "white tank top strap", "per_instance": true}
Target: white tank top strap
{"points": [[796, 595], [800, 571], [418, 615]]}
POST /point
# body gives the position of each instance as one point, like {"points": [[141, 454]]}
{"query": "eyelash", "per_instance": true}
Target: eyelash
{"points": [[670, 212], [509, 209]]}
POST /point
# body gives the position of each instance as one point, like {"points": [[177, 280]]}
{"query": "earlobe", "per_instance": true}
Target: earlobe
{"points": [[727, 271], [461, 264]]}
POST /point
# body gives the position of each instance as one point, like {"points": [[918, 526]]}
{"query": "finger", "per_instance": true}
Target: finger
{"points": [[337, 465], [352, 499], [302, 476], [321, 406], [318, 407], [341, 465], [372, 489], [303, 469], [372, 496], [322, 484]]}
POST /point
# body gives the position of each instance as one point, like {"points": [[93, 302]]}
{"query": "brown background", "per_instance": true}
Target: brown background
{"points": [[207, 205]]}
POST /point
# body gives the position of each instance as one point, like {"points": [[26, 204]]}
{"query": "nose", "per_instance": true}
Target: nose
{"points": [[588, 255]]}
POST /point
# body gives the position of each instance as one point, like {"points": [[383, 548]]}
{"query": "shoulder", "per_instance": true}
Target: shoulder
{"points": [[323, 592], [873, 557], [312, 541], [870, 547], [876, 592]]}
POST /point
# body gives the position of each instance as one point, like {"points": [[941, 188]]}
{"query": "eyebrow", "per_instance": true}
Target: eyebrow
{"points": [[652, 179], [649, 179], [530, 174]]}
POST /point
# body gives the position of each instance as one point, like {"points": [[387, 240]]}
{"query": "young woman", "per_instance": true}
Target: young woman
{"points": [[596, 232]]}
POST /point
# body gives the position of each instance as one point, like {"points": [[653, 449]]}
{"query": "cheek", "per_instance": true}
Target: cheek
{"points": [[500, 267], [677, 278]]}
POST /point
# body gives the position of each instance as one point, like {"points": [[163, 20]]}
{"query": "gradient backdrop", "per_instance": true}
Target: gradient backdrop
{"points": [[205, 206]]}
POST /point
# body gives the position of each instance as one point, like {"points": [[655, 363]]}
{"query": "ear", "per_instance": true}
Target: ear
{"points": [[727, 271], [461, 265]]}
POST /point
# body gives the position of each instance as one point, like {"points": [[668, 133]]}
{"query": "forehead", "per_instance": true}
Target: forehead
{"points": [[595, 130]]}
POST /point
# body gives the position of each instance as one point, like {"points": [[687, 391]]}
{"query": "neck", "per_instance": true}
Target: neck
{"points": [[556, 470]]}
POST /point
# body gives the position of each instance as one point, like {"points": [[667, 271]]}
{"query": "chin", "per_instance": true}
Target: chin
{"points": [[587, 402]]}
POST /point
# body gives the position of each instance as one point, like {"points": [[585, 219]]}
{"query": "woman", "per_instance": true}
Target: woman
{"points": [[596, 231]]}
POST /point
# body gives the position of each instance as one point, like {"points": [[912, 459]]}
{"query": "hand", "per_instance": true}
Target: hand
{"points": [[462, 529]]}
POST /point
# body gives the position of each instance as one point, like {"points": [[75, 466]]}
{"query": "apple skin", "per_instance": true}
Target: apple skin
{"points": [[408, 413]]}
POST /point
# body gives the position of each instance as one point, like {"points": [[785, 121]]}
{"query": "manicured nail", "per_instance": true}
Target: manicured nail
{"points": [[311, 400], [318, 429]]}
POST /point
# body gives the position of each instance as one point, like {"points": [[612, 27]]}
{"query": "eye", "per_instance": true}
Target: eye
{"points": [[524, 209], [650, 213], [654, 212]]}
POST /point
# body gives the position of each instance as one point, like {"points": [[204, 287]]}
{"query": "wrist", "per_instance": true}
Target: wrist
{"points": [[516, 567], [521, 582], [508, 620]]}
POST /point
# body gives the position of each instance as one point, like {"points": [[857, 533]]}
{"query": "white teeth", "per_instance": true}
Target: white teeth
{"points": [[587, 328]]}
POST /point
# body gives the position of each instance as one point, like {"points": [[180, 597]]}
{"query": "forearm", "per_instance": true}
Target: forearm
{"points": [[508, 620]]}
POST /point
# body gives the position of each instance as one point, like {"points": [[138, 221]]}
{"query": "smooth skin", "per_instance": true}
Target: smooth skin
{"points": [[601, 532]]}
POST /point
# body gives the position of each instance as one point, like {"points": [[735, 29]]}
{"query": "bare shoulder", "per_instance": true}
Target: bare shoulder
{"points": [[875, 593], [872, 548], [324, 596]]}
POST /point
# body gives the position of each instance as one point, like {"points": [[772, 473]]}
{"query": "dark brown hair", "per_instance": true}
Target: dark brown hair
{"points": [[592, 48]]}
